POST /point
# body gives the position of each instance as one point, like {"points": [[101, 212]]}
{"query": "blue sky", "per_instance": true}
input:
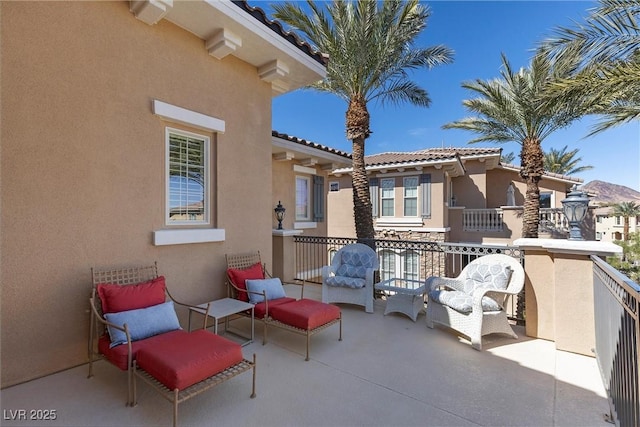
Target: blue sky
{"points": [[478, 31]]}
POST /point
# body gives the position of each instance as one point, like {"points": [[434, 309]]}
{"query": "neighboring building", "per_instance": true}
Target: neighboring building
{"points": [[447, 194], [134, 132], [610, 227], [301, 171]]}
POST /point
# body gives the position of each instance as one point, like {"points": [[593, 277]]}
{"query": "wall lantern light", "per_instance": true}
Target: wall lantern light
{"points": [[279, 214], [575, 208]]}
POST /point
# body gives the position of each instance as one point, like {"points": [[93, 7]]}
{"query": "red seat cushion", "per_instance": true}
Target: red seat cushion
{"points": [[238, 277], [118, 354], [188, 358], [305, 313], [260, 309], [117, 298]]}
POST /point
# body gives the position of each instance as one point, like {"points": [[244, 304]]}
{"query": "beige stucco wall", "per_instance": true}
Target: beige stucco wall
{"points": [[340, 220], [82, 167], [471, 188]]}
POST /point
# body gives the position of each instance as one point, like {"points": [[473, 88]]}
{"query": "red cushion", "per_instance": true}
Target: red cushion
{"points": [[188, 358], [118, 354], [116, 298], [238, 278], [260, 309], [305, 313]]}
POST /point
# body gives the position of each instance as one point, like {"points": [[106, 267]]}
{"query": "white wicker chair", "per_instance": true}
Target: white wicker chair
{"points": [[349, 278], [479, 321]]}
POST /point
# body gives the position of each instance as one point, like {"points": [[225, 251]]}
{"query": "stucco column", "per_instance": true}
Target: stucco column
{"points": [[559, 290], [284, 254]]}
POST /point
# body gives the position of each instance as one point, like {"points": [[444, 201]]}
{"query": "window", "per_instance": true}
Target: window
{"points": [[545, 199], [411, 264], [618, 220], [387, 197], [188, 178], [405, 265], [410, 196], [387, 265], [334, 186], [303, 211], [598, 235], [599, 219]]}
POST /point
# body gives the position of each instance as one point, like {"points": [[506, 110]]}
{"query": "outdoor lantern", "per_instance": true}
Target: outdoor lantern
{"points": [[575, 208], [279, 214]]}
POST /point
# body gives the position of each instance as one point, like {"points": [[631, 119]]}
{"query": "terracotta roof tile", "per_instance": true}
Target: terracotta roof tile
{"points": [[277, 27], [310, 144], [429, 154]]}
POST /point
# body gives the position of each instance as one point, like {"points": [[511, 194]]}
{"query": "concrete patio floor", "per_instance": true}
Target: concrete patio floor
{"points": [[387, 371]]}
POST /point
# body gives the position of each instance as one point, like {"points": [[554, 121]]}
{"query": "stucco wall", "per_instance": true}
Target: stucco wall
{"points": [[82, 167]]}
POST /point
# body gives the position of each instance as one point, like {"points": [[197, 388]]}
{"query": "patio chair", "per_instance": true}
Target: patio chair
{"points": [[349, 278], [137, 330], [249, 280], [474, 302]]}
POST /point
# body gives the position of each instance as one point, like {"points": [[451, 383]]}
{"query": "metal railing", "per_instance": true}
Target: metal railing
{"points": [[434, 259], [617, 322]]}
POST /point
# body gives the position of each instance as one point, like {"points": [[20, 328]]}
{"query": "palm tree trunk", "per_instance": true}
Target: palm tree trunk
{"points": [[532, 168], [357, 122], [625, 229]]}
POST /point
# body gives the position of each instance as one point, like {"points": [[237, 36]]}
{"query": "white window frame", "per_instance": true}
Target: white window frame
{"points": [[206, 220], [210, 125], [334, 186], [306, 217], [397, 264], [383, 198], [415, 197]]}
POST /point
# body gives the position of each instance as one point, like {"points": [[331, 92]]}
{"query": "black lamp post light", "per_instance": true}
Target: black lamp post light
{"points": [[575, 208], [279, 214]]}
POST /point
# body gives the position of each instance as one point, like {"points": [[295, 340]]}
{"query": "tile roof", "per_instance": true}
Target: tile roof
{"points": [[310, 144], [277, 27], [547, 174], [429, 154]]}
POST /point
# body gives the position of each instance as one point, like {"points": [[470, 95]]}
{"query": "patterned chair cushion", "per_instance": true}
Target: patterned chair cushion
{"points": [[357, 259], [350, 270], [494, 276], [462, 302], [345, 281]]}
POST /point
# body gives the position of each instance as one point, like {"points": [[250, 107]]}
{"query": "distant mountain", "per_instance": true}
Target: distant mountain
{"points": [[606, 193]]}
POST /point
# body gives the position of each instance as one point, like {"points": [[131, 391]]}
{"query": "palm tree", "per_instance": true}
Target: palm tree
{"points": [[564, 162], [508, 158], [626, 210], [512, 108], [370, 50], [607, 49]]}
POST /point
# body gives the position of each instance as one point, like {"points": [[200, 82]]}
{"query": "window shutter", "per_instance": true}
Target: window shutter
{"points": [[318, 198], [425, 192], [374, 196]]}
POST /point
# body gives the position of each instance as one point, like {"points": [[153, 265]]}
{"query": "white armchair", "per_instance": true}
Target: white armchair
{"points": [[349, 278], [473, 303]]}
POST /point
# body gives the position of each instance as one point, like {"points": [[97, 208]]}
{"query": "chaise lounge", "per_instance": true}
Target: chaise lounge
{"points": [[248, 280], [137, 330]]}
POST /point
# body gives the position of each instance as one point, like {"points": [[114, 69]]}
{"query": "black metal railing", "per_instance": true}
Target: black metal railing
{"points": [[617, 323], [434, 259]]}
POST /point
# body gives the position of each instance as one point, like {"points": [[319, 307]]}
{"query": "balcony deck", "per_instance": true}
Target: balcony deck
{"points": [[387, 371]]}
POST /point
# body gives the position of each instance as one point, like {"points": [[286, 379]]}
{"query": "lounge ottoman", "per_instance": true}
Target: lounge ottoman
{"points": [[188, 365], [306, 317]]}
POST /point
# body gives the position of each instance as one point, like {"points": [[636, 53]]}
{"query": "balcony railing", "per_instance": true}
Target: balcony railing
{"points": [[434, 259], [482, 220], [552, 220], [617, 322]]}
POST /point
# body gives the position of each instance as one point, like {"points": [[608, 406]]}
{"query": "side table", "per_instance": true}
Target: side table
{"points": [[404, 296], [223, 308]]}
